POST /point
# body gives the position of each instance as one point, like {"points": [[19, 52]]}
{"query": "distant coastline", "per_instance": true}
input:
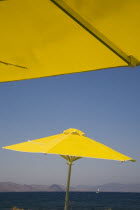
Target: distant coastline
{"points": [[110, 187]]}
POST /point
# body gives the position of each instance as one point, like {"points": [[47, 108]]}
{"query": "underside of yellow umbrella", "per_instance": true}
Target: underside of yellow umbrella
{"points": [[72, 145], [42, 38]]}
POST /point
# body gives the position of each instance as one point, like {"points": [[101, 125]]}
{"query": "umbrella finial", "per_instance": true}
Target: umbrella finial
{"points": [[74, 132]]}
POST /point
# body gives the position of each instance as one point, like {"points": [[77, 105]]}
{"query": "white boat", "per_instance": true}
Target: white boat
{"points": [[98, 191]]}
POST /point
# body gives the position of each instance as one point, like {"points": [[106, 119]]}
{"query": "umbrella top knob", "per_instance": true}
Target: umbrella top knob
{"points": [[74, 132]]}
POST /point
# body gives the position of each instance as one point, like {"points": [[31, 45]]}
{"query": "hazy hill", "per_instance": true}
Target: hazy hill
{"points": [[111, 187], [13, 187]]}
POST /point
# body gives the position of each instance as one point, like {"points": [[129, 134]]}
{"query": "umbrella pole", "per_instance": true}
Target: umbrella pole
{"points": [[68, 186]]}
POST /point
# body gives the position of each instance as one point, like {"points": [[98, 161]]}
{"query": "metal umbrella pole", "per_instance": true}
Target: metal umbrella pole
{"points": [[68, 186], [70, 160]]}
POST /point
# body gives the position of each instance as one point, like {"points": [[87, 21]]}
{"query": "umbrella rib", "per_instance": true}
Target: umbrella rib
{"points": [[70, 158], [129, 59], [13, 64], [61, 138], [76, 158]]}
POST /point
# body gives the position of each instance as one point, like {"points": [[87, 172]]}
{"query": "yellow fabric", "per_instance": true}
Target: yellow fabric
{"points": [[37, 35], [72, 144]]}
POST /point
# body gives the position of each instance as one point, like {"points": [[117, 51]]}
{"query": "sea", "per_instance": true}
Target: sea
{"points": [[78, 201]]}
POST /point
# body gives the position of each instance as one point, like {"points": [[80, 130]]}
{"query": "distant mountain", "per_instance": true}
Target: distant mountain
{"points": [[56, 188], [13, 187], [116, 187], [111, 187]]}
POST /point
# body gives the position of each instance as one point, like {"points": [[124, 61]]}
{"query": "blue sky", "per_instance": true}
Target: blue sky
{"points": [[103, 104]]}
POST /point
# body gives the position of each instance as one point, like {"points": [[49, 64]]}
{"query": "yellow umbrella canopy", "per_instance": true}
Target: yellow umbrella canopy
{"points": [[40, 38], [72, 144]]}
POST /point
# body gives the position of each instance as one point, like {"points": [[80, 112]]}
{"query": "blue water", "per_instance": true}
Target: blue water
{"points": [[78, 201]]}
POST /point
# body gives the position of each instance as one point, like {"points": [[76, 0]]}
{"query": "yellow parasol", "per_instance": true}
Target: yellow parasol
{"points": [[72, 145], [40, 38]]}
